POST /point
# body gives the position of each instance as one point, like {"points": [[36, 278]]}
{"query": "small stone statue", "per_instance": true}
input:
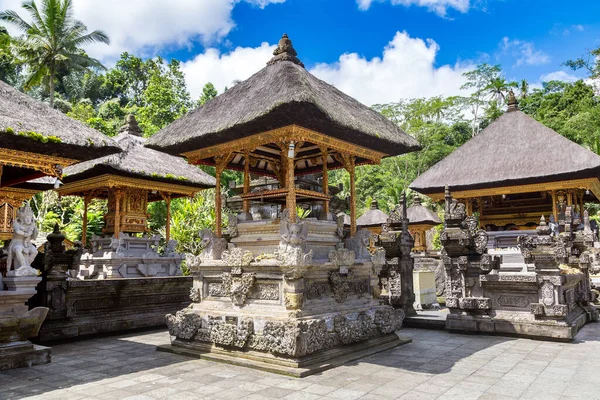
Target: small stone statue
{"points": [[213, 247], [359, 243], [21, 250], [293, 235]]}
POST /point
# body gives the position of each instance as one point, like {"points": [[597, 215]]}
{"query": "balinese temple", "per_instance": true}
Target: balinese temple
{"points": [[515, 171], [372, 219], [284, 294], [37, 141], [421, 219], [129, 181]]}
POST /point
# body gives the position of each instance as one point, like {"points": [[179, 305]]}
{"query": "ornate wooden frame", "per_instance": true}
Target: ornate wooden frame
{"points": [[49, 165]]}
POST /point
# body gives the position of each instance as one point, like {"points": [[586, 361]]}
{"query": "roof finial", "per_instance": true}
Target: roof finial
{"points": [[416, 199], [374, 205], [285, 52], [513, 103], [131, 126]]}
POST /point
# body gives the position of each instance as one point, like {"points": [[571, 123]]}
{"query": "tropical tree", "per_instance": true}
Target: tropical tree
{"points": [[524, 88], [208, 92], [497, 87], [52, 41]]}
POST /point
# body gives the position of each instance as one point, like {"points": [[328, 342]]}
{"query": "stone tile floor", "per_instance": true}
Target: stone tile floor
{"points": [[437, 365]]}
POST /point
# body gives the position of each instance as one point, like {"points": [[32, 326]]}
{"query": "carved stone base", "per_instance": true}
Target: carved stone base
{"points": [[81, 308], [538, 329], [23, 354], [298, 367]]}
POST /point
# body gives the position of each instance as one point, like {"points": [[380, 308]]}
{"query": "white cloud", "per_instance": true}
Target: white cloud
{"points": [[558, 76], [146, 26], [579, 27], [524, 52], [406, 70], [223, 69], [440, 7]]}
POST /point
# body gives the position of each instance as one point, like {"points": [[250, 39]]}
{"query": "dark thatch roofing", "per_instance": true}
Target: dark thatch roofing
{"points": [[283, 93], [514, 150], [373, 216], [419, 214], [138, 161], [36, 121]]}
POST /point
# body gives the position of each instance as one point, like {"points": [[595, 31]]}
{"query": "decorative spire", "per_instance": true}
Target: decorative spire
{"points": [[513, 103], [374, 205], [285, 52], [131, 126], [543, 229]]}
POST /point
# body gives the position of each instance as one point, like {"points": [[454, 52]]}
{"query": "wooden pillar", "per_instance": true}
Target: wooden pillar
{"points": [[349, 163], [581, 207], [290, 201], [569, 198], [246, 206], [325, 180], [220, 164], [1, 166], [84, 225], [167, 198], [469, 207], [118, 195], [554, 207]]}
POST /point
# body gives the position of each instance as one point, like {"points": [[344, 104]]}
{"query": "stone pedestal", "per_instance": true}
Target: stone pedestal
{"points": [[22, 284], [286, 311]]}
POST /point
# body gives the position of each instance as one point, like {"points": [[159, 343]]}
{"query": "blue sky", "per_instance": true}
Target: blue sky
{"points": [[375, 50]]}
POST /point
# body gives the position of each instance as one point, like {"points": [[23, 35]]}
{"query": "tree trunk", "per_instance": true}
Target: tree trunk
{"points": [[52, 73]]}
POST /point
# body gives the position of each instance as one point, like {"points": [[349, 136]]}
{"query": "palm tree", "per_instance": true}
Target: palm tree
{"points": [[497, 87], [524, 88], [52, 41]]}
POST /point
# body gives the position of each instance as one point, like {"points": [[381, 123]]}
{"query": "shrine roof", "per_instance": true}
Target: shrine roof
{"points": [[372, 217], [283, 93], [138, 161], [29, 125], [420, 214], [513, 150]]}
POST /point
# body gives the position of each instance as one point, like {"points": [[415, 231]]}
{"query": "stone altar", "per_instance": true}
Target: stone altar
{"points": [[286, 297], [80, 307], [550, 302]]}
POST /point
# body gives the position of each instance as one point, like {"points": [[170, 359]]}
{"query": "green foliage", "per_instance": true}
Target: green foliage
{"points": [[208, 92], [51, 42]]}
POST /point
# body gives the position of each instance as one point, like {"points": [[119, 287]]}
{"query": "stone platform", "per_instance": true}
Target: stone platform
{"points": [[81, 308], [23, 354]]}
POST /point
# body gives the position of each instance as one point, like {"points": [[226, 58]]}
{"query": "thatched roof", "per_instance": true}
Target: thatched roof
{"points": [[418, 214], [138, 161], [281, 94], [30, 125], [372, 217], [514, 150]]}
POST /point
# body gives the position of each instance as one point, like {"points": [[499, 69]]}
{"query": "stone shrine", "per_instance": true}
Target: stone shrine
{"points": [[285, 294], [553, 301]]}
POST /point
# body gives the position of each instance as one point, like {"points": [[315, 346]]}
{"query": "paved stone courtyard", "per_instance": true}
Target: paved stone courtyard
{"points": [[437, 365]]}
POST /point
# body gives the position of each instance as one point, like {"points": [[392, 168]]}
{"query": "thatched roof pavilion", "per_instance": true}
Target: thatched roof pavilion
{"points": [[373, 218], [284, 121], [420, 220], [136, 176], [515, 162], [35, 139]]}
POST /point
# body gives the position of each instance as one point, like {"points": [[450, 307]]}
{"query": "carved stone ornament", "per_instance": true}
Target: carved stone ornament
{"points": [[359, 243], [293, 301], [378, 260], [232, 225], [195, 295], [238, 286], [183, 324], [213, 247], [21, 251], [293, 262], [342, 257], [237, 257], [230, 334], [340, 287]]}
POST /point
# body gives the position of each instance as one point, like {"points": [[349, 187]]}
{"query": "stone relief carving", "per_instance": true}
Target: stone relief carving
{"points": [[340, 286], [378, 260], [237, 285], [230, 334], [183, 324], [213, 247], [291, 255], [359, 243], [264, 291], [237, 257], [195, 295], [232, 225]]}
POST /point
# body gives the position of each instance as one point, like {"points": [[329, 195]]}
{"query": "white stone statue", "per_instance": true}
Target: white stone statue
{"points": [[21, 251]]}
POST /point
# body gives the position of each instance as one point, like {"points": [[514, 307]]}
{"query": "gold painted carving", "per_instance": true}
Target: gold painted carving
{"points": [[49, 165]]}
